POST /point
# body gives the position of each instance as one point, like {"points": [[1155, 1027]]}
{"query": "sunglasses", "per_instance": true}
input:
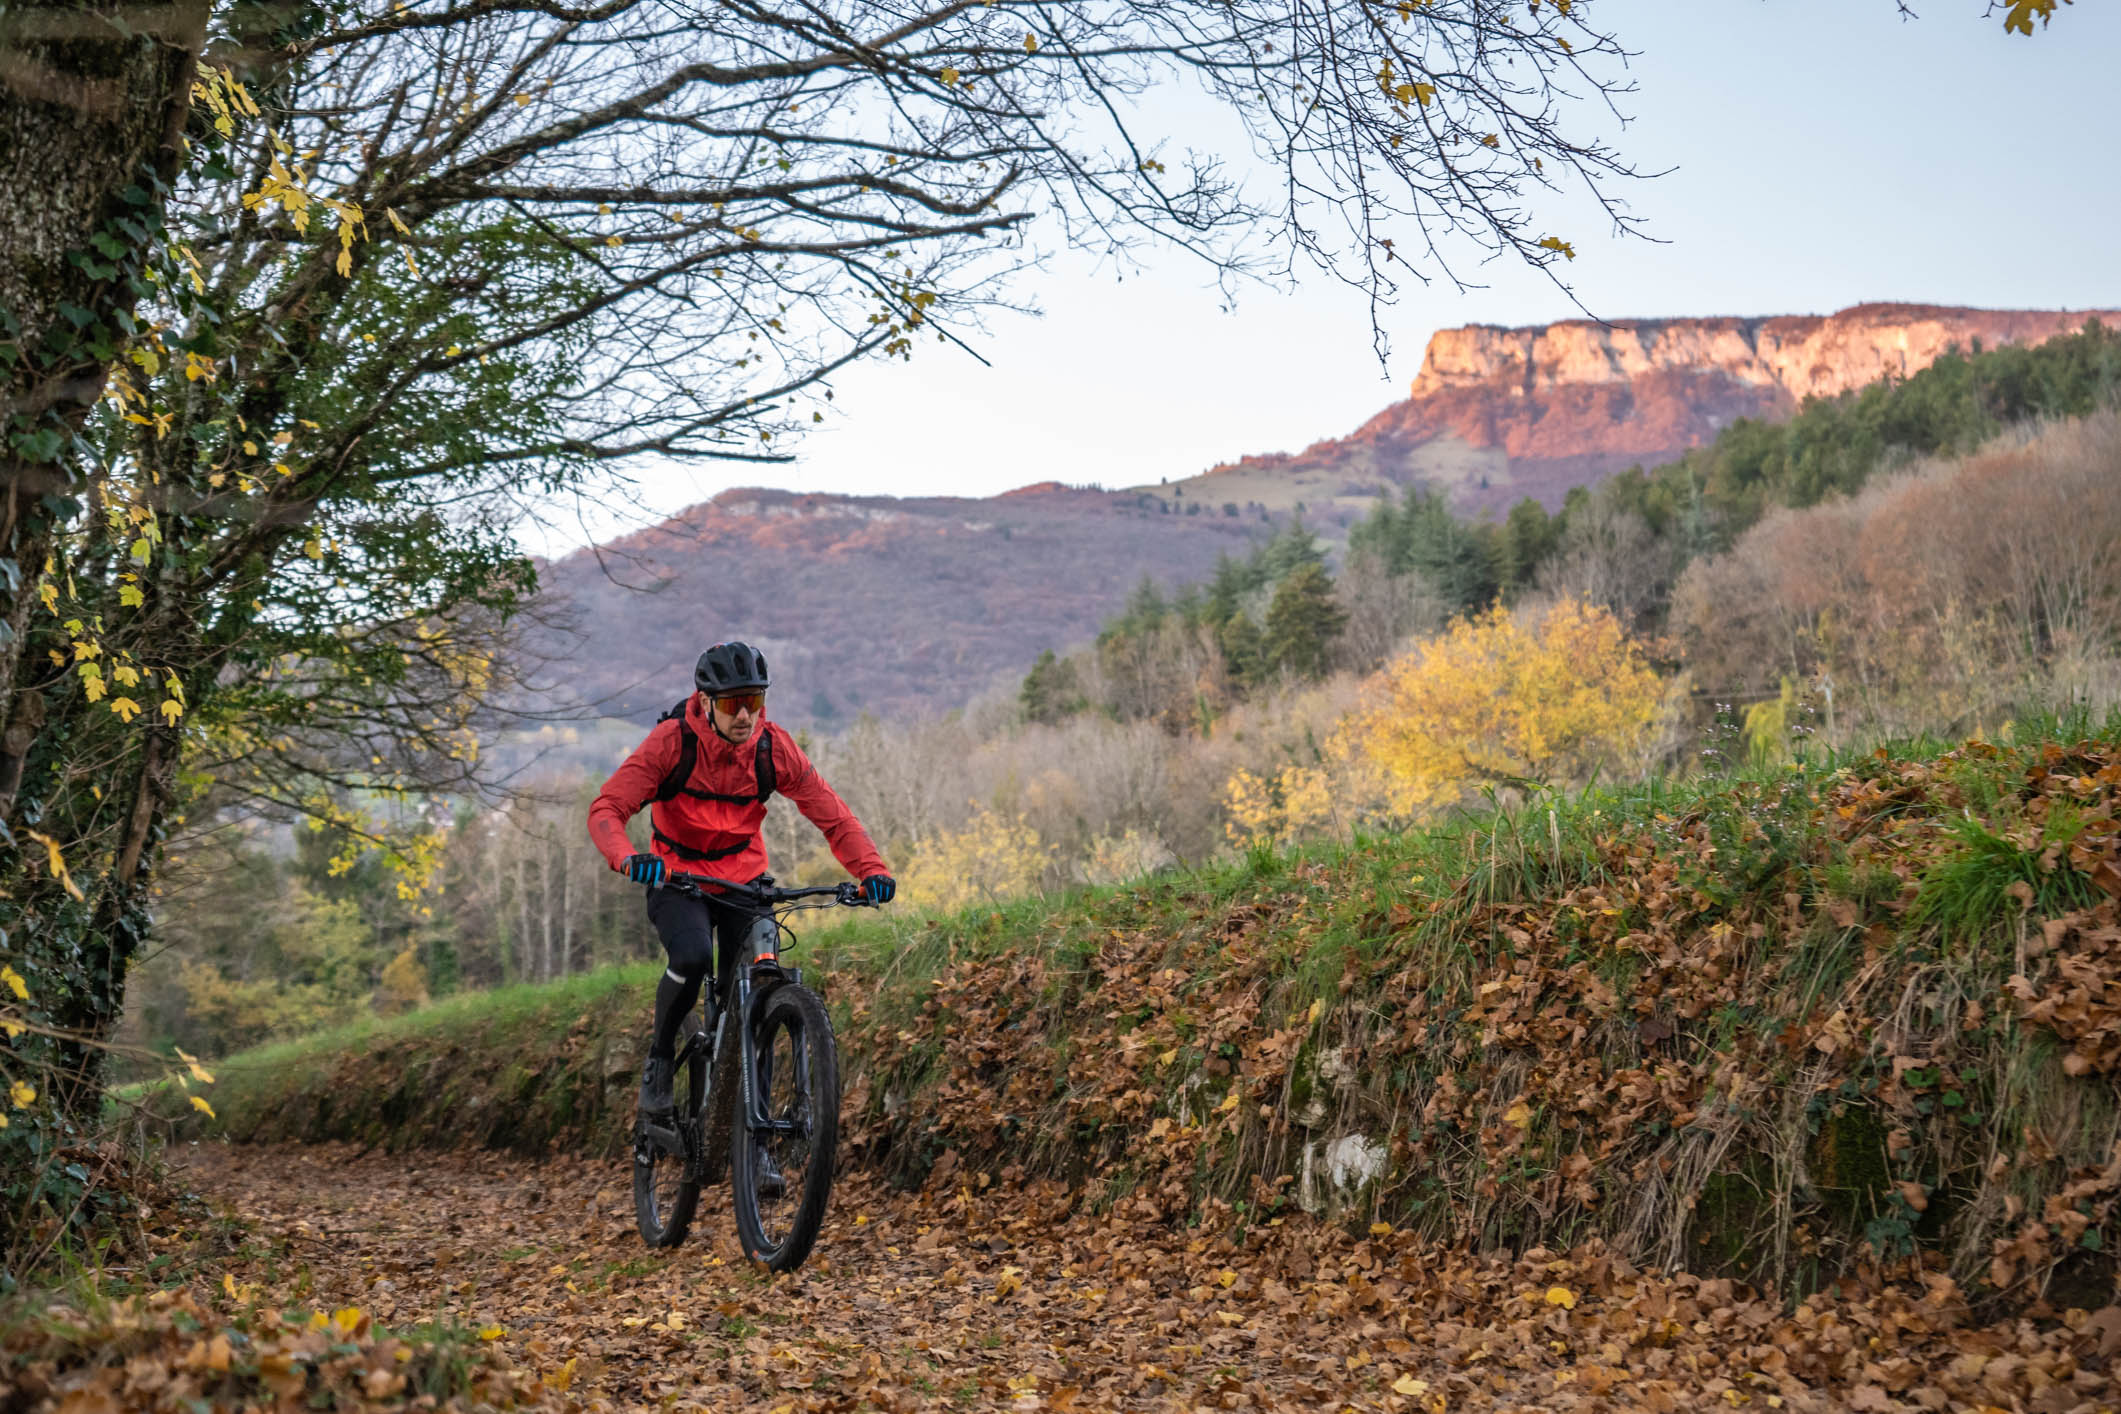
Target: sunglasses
{"points": [[752, 702]]}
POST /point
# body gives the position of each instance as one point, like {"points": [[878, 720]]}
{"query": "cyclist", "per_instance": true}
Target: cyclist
{"points": [[706, 770]]}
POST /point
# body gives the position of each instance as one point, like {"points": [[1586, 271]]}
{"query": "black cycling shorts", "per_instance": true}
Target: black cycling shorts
{"points": [[697, 933]]}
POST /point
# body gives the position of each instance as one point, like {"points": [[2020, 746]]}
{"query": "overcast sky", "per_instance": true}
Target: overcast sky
{"points": [[1826, 153]]}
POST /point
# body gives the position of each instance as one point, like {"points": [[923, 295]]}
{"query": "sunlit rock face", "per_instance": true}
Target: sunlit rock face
{"points": [[1498, 414], [1799, 356]]}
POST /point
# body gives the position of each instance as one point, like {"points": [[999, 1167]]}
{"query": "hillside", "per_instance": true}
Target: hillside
{"points": [[912, 607], [899, 607]]}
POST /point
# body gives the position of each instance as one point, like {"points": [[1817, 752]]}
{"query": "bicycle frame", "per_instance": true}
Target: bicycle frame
{"points": [[733, 1067]]}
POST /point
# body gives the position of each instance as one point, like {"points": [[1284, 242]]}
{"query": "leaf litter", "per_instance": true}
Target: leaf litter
{"points": [[478, 1280]]}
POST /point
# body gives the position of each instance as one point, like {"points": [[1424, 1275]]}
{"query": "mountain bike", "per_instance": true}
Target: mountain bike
{"points": [[759, 1089]]}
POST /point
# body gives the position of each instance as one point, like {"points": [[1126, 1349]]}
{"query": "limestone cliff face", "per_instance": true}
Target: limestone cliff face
{"points": [[1497, 414], [1799, 356]]}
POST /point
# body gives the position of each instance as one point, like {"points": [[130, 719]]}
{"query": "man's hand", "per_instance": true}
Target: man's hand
{"points": [[878, 888], [643, 869]]}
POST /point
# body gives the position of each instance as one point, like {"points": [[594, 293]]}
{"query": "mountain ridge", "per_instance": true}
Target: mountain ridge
{"points": [[907, 606]]}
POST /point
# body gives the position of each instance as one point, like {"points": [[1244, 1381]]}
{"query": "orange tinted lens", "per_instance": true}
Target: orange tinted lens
{"points": [[752, 702]]}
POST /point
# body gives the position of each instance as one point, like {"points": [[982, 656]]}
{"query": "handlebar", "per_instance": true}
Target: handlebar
{"points": [[766, 893]]}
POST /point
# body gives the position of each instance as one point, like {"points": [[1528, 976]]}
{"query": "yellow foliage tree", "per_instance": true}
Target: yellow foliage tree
{"points": [[993, 857], [403, 984], [1277, 810], [1500, 699]]}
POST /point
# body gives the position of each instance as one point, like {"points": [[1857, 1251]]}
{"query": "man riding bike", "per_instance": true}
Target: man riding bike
{"points": [[706, 770]]}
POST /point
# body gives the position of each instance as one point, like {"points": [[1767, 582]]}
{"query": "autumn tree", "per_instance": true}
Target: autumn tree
{"points": [[1508, 700], [430, 262]]}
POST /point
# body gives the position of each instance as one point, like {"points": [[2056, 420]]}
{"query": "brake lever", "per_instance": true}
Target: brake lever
{"points": [[849, 894]]}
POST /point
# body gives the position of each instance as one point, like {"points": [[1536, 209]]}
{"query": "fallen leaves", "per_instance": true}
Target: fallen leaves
{"points": [[1025, 1302]]}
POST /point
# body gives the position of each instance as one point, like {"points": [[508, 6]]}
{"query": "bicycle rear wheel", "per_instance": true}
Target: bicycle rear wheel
{"points": [[666, 1178], [800, 1084]]}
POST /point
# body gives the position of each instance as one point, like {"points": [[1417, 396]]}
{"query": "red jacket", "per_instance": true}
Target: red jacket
{"points": [[709, 825]]}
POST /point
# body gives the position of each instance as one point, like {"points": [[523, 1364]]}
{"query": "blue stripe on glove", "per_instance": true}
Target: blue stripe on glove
{"points": [[878, 888], [644, 869]]}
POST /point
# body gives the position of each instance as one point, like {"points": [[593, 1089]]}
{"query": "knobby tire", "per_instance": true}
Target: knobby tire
{"points": [[666, 1193], [792, 1022]]}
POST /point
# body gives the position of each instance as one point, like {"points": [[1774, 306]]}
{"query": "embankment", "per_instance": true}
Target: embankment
{"points": [[1783, 1027]]}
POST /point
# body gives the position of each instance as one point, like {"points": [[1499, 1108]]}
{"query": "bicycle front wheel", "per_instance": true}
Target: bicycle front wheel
{"points": [[783, 1172]]}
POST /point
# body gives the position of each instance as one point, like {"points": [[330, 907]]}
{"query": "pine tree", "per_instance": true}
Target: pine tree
{"points": [[1050, 692], [1303, 621]]}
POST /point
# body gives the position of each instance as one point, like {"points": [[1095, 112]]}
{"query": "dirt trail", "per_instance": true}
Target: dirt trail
{"points": [[999, 1300]]}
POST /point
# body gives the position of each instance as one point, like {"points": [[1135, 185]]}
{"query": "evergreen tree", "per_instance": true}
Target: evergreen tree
{"points": [[1529, 536], [1050, 692], [1244, 651], [1303, 621]]}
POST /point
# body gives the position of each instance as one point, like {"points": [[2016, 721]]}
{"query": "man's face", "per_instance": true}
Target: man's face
{"points": [[737, 717]]}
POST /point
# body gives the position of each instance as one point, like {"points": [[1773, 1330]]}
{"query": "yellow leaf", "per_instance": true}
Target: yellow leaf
{"points": [[56, 861], [125, 707], [1317, 1009], [198, 1071], [1231, 1100], [1380, 1229], [1557, 243], [613, 240], [603, 208], [453, 350], [202, 1107], [1409, 1386], [1009, 1282], [171, 710], [1226, 1279], [130, 597], [522, 100], [345, 263], [1031, 44], [1167, 1057], [1561, 1296], [125, 674], [12, 980], [1519, 1114], [92, 688], [21, 1094], [491, 1333]]}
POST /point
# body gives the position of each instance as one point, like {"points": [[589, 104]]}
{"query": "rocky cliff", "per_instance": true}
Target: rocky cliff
{"points": [[1496, 414]]}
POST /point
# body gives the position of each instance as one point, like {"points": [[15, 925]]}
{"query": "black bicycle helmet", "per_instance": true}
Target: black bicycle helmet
{"points": [[730, 667]]}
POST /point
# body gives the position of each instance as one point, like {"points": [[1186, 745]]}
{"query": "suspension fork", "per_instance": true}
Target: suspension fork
{"points": [[758, 976]]}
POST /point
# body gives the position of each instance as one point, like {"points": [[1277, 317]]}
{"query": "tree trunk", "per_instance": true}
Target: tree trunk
{"points": [[93, 98]]}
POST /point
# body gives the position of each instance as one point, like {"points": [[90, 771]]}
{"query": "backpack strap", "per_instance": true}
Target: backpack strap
{"points": [[762, 763], [688, 754]]}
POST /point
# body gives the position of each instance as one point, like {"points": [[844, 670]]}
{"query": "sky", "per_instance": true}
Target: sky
{"points": [[1822, 153]]}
